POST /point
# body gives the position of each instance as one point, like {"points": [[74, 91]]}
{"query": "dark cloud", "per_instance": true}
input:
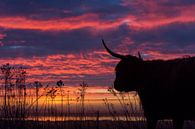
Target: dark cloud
{"points": [[40, 43], [27, 43], [169, 38], [45, 9], [177, 3]]}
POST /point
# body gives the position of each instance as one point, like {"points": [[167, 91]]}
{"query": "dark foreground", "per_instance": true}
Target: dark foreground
{"points": [[86, 125]]}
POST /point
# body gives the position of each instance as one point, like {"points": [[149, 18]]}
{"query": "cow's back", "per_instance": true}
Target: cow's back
{"points": [[169, 89]]}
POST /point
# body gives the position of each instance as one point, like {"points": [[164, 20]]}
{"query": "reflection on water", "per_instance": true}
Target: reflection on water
{"points": [[97, 104], [74, 118]]}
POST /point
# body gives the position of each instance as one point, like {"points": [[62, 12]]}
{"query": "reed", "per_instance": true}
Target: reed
{"points": [[47, 106]]}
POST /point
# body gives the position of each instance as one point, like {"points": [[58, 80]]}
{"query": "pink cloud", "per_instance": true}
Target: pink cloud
{"points": [[154, 18], [2, 36], [155, 13], [64, 24], [65, 66]]}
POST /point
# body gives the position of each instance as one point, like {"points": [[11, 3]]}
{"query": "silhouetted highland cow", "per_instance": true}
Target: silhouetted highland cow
{"points": [[166, 88]]}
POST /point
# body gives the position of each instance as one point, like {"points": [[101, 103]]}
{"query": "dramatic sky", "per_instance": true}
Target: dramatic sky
{"points": [[61, 39]]}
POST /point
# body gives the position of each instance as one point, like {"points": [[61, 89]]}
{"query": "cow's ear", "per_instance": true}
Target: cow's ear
{"points": [[139, 56]]}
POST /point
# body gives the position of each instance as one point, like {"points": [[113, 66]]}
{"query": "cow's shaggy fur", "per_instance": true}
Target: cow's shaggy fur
{"points": [[166, 88]]}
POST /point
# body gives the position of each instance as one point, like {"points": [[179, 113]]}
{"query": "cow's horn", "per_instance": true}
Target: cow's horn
{"points": [[140, 56], [112, 53]]}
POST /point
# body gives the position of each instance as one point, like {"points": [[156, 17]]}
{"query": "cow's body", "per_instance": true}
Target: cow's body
{"points": [[171, 82], [166, 88]]}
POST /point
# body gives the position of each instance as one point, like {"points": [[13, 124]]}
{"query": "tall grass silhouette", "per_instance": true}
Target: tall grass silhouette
{"points": [[46, 106]]}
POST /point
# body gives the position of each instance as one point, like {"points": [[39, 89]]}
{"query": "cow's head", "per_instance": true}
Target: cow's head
{"points": [[128, 71]]}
